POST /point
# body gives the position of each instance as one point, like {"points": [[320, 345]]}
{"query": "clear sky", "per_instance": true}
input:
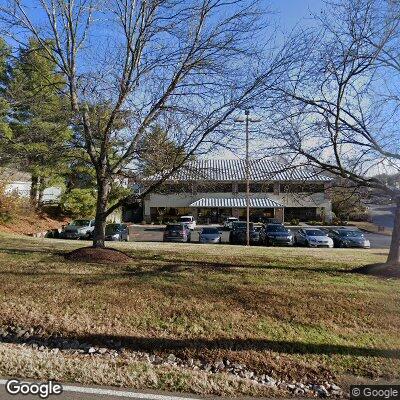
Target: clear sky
{"points": [[292, 12]]}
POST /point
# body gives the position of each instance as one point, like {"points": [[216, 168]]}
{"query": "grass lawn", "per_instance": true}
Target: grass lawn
{"points": [[293, 313]]}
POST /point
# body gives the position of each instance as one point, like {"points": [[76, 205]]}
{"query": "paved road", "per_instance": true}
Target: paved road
{"points": [[155, 234], [382, 215], [75, 392]]}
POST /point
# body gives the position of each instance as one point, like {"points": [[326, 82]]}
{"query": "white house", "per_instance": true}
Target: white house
{"points": [[20, 183]]}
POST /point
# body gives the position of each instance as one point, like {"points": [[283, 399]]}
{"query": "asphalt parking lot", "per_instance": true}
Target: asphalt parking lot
{"points": [[148, 233]]}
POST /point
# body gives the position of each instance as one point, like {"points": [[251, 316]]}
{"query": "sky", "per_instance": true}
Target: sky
{"points": [[289, 13]]}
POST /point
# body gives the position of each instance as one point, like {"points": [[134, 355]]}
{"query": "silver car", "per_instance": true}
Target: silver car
{"points": [[210, 235], [312, 237]]}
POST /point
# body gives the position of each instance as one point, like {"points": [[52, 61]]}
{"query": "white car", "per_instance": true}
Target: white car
{"points": [[229, 221], [189, 221], [312, 237]]}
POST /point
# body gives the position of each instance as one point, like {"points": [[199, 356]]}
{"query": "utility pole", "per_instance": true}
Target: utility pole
{"points": [[247, 120]]}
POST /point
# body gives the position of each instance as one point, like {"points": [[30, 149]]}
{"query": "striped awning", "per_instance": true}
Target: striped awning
{"points": [[235, 202]]}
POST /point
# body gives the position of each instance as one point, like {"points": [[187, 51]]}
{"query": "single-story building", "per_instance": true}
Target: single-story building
{"points": [[212, 190]]}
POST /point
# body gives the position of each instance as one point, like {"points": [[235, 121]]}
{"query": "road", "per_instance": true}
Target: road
{"points": [[382, 215], [75, 392], [146, 233]]}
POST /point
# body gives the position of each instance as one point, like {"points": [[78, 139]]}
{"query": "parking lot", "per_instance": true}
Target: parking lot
{"points": [[149, 233]]}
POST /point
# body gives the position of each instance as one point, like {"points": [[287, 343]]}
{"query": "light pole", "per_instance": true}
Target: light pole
{"points": [[247, 119]]}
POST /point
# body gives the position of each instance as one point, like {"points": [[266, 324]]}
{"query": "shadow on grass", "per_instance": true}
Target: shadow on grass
{"points": [[27, 251], [199, 345], [176, 264]]}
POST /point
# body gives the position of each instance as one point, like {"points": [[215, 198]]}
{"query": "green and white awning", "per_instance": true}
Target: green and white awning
{"points": [[235, 202]]}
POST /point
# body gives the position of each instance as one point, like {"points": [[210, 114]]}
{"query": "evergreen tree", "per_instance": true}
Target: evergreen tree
{"points": [[4, 106], [39, 121]]}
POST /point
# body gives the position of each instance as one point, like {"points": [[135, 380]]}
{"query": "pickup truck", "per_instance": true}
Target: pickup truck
{"points": [[78, 229], [189, 221]]}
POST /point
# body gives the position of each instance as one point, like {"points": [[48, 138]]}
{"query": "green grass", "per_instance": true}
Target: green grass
{"points": [[289, 312]]}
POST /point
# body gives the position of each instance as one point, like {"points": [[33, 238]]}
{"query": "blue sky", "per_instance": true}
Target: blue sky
{"points": [[292, 12]]}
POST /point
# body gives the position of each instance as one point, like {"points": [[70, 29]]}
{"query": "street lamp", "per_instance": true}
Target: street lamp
{"points": [[247, 119]]}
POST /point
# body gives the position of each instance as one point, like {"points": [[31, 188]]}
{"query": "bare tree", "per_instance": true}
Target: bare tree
{"points": [[339, 108], [130, 64]]}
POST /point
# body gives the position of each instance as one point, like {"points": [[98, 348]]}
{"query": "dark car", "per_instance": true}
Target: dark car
{"points": [[273, 234], [177, 233], [344, 237], [238, 233], [117, 232]]}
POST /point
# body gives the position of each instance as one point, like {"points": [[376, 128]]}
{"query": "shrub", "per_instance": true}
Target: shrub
{"points": [[79, 203], [294, 221], [11, 205]]}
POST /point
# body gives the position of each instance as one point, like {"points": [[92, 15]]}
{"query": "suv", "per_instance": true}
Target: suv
{"points": [[189, 221], [177, 233], [78, 229], [238, 233]]}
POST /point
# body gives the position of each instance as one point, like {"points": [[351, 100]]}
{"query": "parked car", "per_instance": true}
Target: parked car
{"points": [[272, 234], [117, 232], [346, 237], [238, 233], [312, 238], [78, 229], [177, 233], [272, 221], [189, 220], [210, 235], [229, 221]]}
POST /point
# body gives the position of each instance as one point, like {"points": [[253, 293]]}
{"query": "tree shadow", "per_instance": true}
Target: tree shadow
{"points": [[198, 345]]}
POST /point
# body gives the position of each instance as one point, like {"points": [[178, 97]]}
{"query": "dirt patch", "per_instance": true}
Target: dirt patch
{"points": [[381, 270], [99, 256], [32, 223]]}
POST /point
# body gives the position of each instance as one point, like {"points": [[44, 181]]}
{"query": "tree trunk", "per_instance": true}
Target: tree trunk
{"points": [[34, 189], [394, 252], [103, 190], [41, 190]]}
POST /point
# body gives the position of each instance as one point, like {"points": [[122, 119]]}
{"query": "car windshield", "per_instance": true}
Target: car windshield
{"points": [[350, 233], [276, 228], [174, 227], [81, 222], [315, 232], [186, 219], [210, 231], [241, 225], [113, 228]]}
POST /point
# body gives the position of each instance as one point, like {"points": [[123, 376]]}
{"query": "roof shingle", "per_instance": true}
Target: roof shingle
{"points": [[235, 170]]}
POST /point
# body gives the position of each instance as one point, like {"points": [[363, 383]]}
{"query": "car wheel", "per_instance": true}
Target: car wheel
{"points": [[127, 238]]}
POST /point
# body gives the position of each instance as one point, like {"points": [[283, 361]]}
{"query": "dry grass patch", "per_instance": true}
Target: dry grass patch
{"points": [[290, 313]]}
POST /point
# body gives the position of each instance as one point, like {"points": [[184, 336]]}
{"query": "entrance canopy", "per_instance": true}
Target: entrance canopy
{"points": [[235, 202]]}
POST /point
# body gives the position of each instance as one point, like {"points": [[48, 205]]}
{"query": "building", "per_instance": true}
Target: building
{"points": [[19, 183], [212, 190]]}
